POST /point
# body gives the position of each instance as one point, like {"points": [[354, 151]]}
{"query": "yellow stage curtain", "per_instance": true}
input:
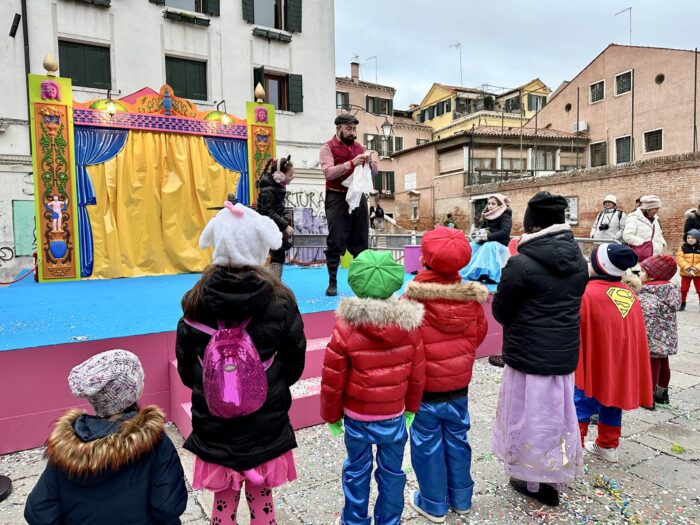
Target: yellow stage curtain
{"points": [[152, 202]]}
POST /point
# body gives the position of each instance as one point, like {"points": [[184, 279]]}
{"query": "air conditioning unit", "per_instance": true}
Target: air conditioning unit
{"points": [[581, 125]]}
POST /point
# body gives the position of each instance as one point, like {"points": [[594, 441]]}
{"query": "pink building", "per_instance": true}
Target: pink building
{"points": [[633, 102], [373, 104]]}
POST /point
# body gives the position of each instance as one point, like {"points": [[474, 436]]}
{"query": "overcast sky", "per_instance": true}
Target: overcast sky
{"points": [[504, 42]]}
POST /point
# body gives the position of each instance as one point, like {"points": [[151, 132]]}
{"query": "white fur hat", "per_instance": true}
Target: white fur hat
{"points": [[240, 237]]}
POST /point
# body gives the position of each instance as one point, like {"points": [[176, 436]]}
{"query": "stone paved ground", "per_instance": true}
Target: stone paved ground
{"points": [[661, 482]]}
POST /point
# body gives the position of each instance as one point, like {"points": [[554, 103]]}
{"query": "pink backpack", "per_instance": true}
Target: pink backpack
{"points": [[234, 378]]}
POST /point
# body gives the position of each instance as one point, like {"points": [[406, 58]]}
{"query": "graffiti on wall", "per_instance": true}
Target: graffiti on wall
{"points": [[316, 200], [6, 254]]}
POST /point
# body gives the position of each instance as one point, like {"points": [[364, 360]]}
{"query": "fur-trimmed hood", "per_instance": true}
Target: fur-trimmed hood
{"points": [[461, 292], [379, 313], [133, 437], [448, 307], [634, 282]]}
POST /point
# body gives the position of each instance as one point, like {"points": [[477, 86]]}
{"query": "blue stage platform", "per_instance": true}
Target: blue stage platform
{"points": [[35, 314]]}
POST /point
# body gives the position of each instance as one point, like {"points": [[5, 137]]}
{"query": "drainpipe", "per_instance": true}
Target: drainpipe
{"points": [[25, 35]]}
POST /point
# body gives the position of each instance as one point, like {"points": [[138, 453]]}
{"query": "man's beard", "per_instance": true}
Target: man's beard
{"points": [[347, 140]]}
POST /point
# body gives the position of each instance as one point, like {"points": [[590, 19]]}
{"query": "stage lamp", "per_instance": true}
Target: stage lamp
{"points": [[110, 107], [225, 118]]}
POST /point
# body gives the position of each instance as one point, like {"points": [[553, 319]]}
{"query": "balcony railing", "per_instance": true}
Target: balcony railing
{"points": [[488, 176]]}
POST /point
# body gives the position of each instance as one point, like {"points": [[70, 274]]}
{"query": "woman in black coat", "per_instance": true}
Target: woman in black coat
{"points": [[272, 188], [496, 220]]}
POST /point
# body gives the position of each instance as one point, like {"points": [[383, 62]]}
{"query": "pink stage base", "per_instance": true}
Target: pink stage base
{"points": [[35, 392]]}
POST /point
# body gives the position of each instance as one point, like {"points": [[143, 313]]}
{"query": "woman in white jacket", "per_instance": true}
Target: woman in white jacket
{"points": [[610, 222], [642, 225]]}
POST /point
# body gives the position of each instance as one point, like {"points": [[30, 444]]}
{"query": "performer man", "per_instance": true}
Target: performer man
{"points": [[339, 157]]}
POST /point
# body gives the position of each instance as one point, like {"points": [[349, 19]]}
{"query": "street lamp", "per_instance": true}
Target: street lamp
{"points": [[387, 128]]}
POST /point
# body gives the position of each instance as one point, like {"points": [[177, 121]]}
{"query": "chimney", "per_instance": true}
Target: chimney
{"points": [[355, 71]]}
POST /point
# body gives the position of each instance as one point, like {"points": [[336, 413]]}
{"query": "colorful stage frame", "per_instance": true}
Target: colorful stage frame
{"points": [[61, 161]]}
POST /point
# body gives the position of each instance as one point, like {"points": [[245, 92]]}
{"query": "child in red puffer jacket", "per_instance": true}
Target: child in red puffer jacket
{"points": [[373, 375], [453, 327]]}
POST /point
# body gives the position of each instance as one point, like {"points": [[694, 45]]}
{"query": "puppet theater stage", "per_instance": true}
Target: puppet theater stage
{"points": [[123, 189]]}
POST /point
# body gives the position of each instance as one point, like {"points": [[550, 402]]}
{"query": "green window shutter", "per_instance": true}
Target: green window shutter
{"points": [[258, 77], [390, 145], [390, 182], [211, 7], [292, 16], [391, 107], [398, 143], [378, 105], [367, 108], [249, 11], [377, 181], [295, 94], [196, 80], [97, 68]]}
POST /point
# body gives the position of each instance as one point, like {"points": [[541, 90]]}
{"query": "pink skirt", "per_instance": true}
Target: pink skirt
{"points": [[271, 474]]}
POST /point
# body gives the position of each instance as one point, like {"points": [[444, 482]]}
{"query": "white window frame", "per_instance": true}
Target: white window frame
{"points": [[631, 142], [615, 93], [590, 101], [644, 142], [590, 156]]}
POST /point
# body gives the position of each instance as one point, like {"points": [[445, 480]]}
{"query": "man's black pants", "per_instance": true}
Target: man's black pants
{"points": [[346, 231]]}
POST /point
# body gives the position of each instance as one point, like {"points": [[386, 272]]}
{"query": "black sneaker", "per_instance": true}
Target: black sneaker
{"points": [[496, 360], [547, 494], [661, 396], [5, 487], [682, 306], [332, 289]]}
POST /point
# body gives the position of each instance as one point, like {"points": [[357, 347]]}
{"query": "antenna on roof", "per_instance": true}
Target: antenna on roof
{"points": [[355, 57], [458, 45], [630, 10], [375, 67]]}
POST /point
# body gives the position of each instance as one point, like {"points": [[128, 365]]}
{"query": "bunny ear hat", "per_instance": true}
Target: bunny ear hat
{"points": [[240, 236]]}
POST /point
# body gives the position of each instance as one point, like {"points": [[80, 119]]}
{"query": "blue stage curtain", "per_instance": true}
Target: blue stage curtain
{"points": [[232, 154], [92, 146]]}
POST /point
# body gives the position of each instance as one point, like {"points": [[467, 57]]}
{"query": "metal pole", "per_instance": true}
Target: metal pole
{"points": [[695, 105], [632, 135], [578, 91], [25, 36]]}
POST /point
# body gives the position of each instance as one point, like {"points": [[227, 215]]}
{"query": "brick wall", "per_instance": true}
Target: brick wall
{"points": [[675, 179]]}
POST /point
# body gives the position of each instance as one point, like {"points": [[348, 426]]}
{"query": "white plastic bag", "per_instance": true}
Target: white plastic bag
{"points": [[358, 183]]}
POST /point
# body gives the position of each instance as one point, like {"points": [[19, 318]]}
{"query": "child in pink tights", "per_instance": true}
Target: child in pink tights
{"points": [[251, 453]]}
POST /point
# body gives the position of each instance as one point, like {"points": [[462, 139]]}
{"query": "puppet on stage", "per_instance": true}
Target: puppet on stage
{"points": [[613, 372]]}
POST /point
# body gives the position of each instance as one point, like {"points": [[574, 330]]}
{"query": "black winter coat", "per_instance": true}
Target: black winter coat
{"points": [[500, 227], [271, 199], [538, 302], [277, 330], [109, 473], [692, 220]]}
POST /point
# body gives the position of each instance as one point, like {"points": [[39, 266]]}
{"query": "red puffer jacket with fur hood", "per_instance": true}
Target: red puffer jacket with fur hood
{"points": [[374, 365], [453, 327]]}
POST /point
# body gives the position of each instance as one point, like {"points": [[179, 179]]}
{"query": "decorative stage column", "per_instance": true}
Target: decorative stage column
{"points": [[53, 158], [260, 118]]}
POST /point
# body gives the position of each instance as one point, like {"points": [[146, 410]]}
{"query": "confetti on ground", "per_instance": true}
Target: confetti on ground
{"points": [[677, 449]]}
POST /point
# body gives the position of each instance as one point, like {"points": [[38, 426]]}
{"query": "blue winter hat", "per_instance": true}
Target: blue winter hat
{"points": [[612, 259], [695, 233]]}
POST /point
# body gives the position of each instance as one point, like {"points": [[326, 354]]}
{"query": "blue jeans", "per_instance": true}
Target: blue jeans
{"points": [[441, 456], [389, 436]]}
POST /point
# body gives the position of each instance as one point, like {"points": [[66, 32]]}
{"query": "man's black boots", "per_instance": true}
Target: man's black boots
{"points": [[332, 289]]}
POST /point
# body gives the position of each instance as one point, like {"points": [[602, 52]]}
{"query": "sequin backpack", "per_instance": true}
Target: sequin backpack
{"points": [[233, 377]]}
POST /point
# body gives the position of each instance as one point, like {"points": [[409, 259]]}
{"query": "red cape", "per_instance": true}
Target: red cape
{"points": [[613, 364]]}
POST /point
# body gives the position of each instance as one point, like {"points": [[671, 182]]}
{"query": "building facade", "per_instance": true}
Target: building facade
{"points": [[373, 105], [208, 51], [444, 176], [635, 103], [450, 110]]}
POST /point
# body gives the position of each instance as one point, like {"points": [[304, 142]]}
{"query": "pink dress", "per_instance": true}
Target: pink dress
{"points": [[271, 474]]}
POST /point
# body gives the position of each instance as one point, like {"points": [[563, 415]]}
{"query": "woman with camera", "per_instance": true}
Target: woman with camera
{"points": [[610, 223]]}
